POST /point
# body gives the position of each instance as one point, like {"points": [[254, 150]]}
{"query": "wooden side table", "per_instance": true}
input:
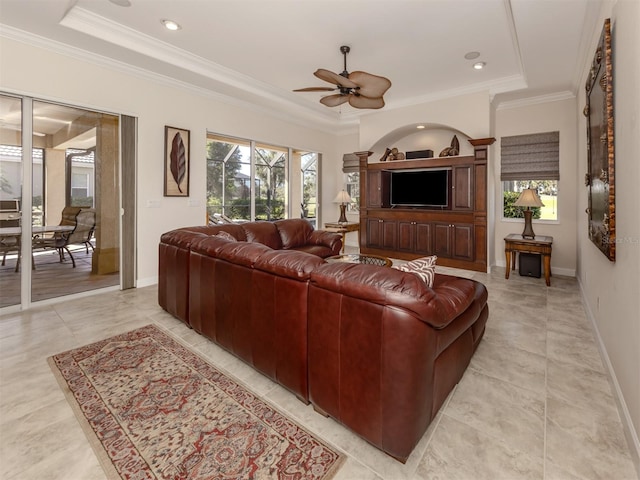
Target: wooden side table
{"points": [[514, 243], [342, 228]]}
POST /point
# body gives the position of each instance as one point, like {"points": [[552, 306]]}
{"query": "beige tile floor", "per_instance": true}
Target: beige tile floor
{"points": [[535, 402]]}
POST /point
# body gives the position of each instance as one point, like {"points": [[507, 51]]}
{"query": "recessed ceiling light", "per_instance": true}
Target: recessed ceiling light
{"points": [[420, 127], [479, 65], [121, 3], [472, 55], [171, 25]]}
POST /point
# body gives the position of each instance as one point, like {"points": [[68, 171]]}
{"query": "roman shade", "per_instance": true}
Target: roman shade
{"points": [[530, 157], [350, 163]]}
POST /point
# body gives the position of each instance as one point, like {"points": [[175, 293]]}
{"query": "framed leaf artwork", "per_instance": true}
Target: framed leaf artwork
{"points": [[176, 162]]}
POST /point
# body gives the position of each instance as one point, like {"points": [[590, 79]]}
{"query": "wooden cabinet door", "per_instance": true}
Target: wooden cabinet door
{"points": [[462, 191], [389, 228], [442, 239], [462, 241], [406, 235], [374, 232], [374, 189], [423, 238]]}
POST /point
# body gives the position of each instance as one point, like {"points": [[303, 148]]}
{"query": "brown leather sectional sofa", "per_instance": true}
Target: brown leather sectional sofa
{"points": [[373, 347]]}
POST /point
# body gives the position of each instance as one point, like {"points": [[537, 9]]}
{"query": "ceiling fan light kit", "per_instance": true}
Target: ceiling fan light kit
{"points": [[360, 89]]}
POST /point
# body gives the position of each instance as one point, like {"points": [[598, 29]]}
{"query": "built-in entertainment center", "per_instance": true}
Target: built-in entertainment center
{"points": [[431, 206]]}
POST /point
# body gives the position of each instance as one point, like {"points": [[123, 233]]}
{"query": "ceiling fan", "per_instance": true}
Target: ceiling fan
{"points": [[360, 89]]}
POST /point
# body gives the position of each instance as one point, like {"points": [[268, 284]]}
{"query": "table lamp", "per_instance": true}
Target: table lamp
{"points": [[343, 199], [528, 198]]}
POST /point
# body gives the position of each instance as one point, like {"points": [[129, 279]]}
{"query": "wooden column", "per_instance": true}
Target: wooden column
{"points": [[481, 155], [106, 256], [364, 192]]}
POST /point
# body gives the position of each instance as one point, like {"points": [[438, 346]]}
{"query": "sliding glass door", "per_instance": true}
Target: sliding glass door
{"points": [[66, 197], [10, 199]]}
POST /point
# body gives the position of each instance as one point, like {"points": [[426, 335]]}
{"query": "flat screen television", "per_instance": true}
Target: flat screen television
{"points": [[427, 188]]}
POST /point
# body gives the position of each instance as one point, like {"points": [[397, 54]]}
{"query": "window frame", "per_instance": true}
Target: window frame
{"points": [[536, 220]]}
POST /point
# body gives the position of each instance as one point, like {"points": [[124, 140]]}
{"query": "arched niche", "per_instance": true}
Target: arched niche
{"points": [[434, 137]]}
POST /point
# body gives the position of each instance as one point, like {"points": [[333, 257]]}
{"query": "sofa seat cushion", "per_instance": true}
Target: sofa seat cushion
{"points": [[265, 233]]}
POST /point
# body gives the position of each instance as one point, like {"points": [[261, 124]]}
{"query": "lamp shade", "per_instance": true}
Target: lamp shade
{"points": [[342, 197], [529, 198]]}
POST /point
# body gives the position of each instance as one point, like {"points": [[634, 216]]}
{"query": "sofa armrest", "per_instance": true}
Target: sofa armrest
{"points": [[327, 239]]}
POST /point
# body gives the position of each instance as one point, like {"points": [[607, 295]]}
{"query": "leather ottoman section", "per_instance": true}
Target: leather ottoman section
{"points": [[373, 349], [370, 368]]}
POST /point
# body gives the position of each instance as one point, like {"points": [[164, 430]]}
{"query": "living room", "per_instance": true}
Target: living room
{"points": [[35, 67]]}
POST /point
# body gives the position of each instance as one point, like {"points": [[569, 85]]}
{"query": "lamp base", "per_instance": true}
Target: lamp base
{"points": [[343, 213], [528, 229]]}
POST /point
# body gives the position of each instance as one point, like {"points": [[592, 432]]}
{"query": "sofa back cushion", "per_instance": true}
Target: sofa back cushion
{"points": [[288, 263], [437, 306], [265, 233], [294, 232]]}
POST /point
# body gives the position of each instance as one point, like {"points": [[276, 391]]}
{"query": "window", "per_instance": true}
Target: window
{"points": [[530, 161], [547, 191], [270, 174], [309, 172], [353, 189], [351, 170], [247, 180], [82, 169], [228, 178]]}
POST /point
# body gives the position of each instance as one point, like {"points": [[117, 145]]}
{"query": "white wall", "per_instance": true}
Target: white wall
{"points": [[333, 182], [467, 113], [611, 290], [47, 75], [545, 117]]}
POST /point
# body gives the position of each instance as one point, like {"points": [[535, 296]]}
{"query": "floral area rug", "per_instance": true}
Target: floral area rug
{"points": [[153, 409]]}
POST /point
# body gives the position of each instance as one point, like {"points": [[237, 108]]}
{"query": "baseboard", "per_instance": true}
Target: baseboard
{"points": [[627, 424], [146, 282], [565, 272]]}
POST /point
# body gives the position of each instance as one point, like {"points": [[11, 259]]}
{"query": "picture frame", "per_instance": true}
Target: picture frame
{"points": [[176, 162], [600, 176]]}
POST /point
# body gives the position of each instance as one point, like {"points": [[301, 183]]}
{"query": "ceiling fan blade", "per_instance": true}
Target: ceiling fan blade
{"points": [[371, 86], [359, 101], [334, 100], [334, 78], [315, 89]]}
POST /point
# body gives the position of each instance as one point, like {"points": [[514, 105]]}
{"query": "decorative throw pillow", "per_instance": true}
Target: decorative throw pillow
{"points": [[226, 236], [424, 268]]}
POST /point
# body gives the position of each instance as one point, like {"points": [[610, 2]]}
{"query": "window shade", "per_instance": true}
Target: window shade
{"points": [[350, 163], [530, 157]]}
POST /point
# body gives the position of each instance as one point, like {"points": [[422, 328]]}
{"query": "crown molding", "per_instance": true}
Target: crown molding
{"points": [[309, 119], [525, 102]]}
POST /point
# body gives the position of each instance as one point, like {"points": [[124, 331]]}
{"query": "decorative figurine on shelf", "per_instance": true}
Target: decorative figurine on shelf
{"points": [[396, 155], [392, 154], [453, 150]]}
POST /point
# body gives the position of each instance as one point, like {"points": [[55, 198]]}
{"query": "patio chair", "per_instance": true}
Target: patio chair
{"points": [[84, 223]]}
